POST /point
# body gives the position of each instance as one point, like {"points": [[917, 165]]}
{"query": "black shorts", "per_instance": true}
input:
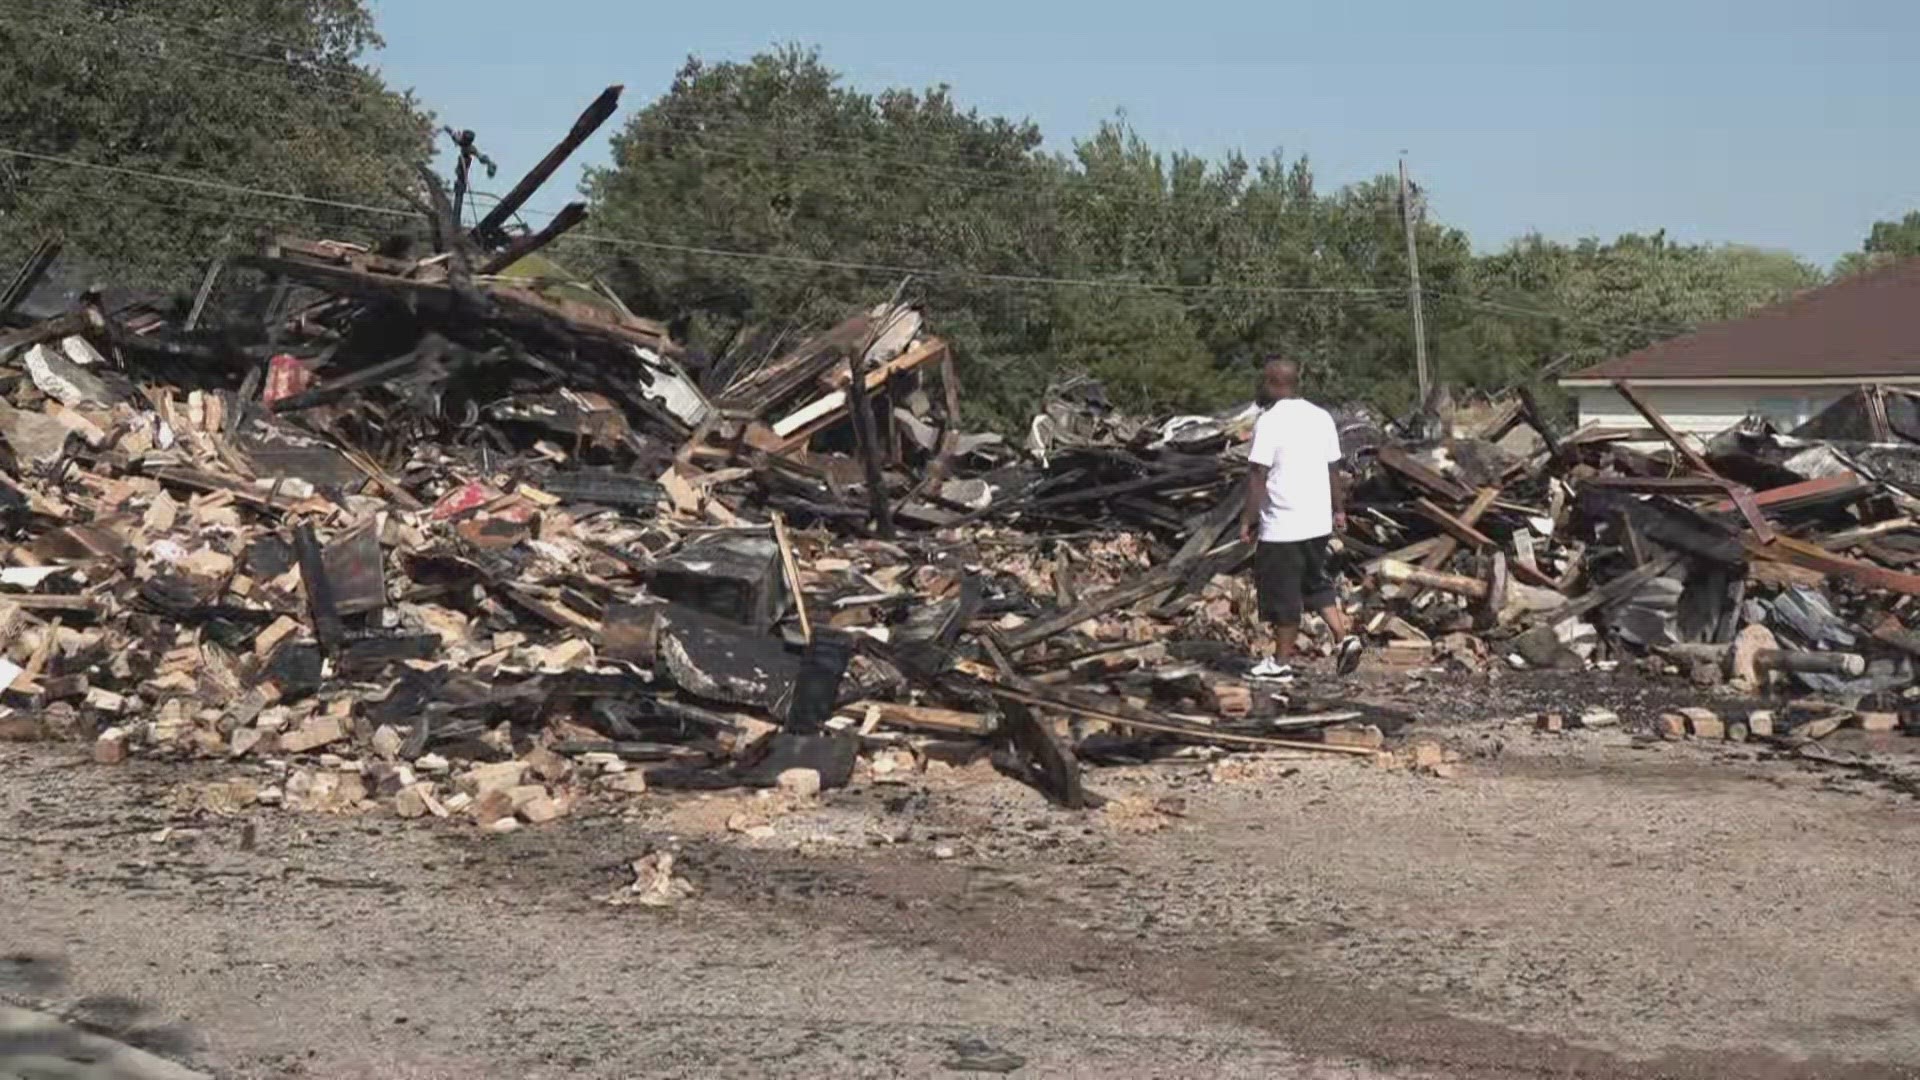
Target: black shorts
{"points": [[1290, 576]]}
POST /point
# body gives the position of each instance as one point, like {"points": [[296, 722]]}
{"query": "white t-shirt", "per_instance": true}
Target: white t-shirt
{"points": [[1296, 440]]}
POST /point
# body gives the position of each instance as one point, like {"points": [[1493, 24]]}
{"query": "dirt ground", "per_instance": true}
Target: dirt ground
{"points": [[1578, 905]]}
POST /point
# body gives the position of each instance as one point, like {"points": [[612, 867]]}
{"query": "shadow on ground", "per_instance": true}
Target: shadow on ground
{"points": [[98, 1038]]}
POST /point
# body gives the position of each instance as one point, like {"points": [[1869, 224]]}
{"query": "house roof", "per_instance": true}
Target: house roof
{"points": [[1862, 327]]}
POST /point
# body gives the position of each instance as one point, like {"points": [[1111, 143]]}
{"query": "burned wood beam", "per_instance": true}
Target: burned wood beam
{"points": [[1056, 771], [1618, 589], [1786, 549], [1537, 419], [1470, 518], [1694, 459], [335, 389], [1139, 589], [73, 322], [201, 295], [327, 628], [1161, 482], [522, 246], [1120, 715], [1421, 475], [446, 227], [31, 271], [1840, 487], [1459, 530], [582, 130], [880, 510]]}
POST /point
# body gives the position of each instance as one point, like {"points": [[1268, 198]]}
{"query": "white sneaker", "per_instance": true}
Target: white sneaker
{"points": [[1272, 670]]}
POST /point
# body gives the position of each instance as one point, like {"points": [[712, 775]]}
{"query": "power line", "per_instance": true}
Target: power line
{"points": [[936, 174], [205, 186], [1542, 313], [930, 272], [210, 185]]}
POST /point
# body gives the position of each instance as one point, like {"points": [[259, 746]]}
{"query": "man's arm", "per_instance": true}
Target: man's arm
{"points": [[1337, 487], [1255, 502], [1336, 480]]}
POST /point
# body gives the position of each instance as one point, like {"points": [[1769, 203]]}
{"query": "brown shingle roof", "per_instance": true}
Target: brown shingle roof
{"points": [[1864, 326]]}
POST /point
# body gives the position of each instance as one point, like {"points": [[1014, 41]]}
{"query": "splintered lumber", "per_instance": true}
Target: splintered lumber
{"points": [[1848, 538], [1057, 771], [582, 130], [1618, 589], [1420, 550], [1460, 529], [1840, 487], [1139, 589], [867, 435], [1119, 715], [922, 718], [321, 605], [1537, 419], [1421, 475], [73, 322], [1694, 459], [30, 272], [1160, 482], [522, 246], [1786, 549], [792, 571], [798, 429]]}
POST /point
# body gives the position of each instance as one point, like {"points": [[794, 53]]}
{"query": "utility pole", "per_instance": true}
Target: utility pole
{"points": [[1413, 284]]}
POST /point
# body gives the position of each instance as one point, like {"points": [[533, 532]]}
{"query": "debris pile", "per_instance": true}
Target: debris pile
{"points": [[459, 534]]}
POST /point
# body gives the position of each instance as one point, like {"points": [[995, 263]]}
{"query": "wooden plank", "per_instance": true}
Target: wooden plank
{"points": [[583, 128], [801, 426], [1617, 589], [1163, 725], [1139, 589], [923, 718], [1822, 489], [792, 570], [1421, 475], [522, 246], [1537, 419], [51, 602], [1813, 557], [1688, 454], [1417, 552], [1847, 538], [327, 627], [866, 435], [1457, 529]]}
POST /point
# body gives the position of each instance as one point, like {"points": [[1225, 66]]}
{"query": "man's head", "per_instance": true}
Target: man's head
{"points": [[1279, 380]]}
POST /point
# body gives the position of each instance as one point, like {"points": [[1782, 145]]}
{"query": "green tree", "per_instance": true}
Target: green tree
{"points": [[267, 94], [1584, 302], [1167, 275], [1886, 242]]}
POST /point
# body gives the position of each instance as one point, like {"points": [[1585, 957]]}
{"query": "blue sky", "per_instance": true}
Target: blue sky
{"points": [[1785, 125]]}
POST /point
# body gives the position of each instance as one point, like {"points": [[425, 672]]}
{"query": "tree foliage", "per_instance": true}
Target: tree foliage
{"points": [[1169, 275], [1886, 242], [262, 93]]}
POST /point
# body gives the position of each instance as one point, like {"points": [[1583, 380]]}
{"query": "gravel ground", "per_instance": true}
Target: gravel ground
{"points": [[1575, 905]]}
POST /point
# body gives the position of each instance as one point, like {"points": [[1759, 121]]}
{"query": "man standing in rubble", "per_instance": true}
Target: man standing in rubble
{"points": [[1296, 498]]}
